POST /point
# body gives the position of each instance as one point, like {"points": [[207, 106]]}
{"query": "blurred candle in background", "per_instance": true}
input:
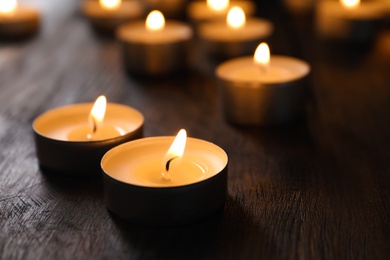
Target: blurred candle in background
{"points": [[235, 36], [348, 21], [106, 15], [201, 11], [262, 89], [154, 46], [17, 21]]}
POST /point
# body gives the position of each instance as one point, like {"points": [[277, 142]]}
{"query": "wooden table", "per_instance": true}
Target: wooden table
{"points": [[314, 189]]}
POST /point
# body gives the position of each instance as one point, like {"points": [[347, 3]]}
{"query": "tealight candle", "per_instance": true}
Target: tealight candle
{"points": [[107, 15], [201, 11], [235, 37], [155, 46], [262, 90], [71, 140], [170, 8], [156, 181], [348, 20], [17, 21]]}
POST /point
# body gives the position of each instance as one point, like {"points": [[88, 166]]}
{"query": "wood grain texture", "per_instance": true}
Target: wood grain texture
{"points": [[314, 189]]}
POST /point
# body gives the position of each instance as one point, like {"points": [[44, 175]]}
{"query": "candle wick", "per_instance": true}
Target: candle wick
{"points": [[169, 162], [264, 68], [94, 125]]}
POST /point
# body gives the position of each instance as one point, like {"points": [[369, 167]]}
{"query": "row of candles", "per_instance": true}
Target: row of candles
{"points": [[168, 180], [159, 181], [334, 19]]}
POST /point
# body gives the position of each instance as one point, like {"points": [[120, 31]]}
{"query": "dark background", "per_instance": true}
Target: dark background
{"points": [[314, 189]]}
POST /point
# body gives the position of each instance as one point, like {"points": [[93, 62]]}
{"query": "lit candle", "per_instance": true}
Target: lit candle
{"points": [[348, 20], [106, 15], [17, 21], [236, 36], [200, 11], [154, 46], [180, 180], [262, 89], [72, 139]]}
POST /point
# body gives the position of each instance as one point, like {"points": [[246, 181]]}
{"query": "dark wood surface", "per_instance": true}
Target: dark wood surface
{"points": [[314, 189]]}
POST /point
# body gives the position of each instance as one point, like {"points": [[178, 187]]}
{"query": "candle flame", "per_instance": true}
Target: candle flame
{"points": [[8, 6], [217, 5], [235, 18], [262, 55], [97, 113], [174, 152], [350, 3], [155, 21], [110, 4]]}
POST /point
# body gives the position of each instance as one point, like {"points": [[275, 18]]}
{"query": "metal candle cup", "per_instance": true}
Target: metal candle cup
{"points": [[220, 40], [355, 24], [22, 22], [135, 190], [247, 99], [61, 139], [105, 20], [154, 53]]}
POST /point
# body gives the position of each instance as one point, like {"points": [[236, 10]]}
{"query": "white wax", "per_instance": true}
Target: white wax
{"points": [[104, 131], [137, 32], [199, 11], [71, 123], [280, 70], [140, 162], [128, 9], [220, 31]]}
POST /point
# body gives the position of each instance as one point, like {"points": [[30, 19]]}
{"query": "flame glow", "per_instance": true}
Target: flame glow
{"points": [[98, 111], [8, 6], [155, 21], [262, 55], [235, 18], [110, 4], [350, 3], [175, 152], [178, 145], [217, 5]]}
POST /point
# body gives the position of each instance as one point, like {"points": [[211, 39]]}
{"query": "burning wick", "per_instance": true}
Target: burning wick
{"points": [[175, 151], [97, 114], [169, 162], [94, 125]]}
